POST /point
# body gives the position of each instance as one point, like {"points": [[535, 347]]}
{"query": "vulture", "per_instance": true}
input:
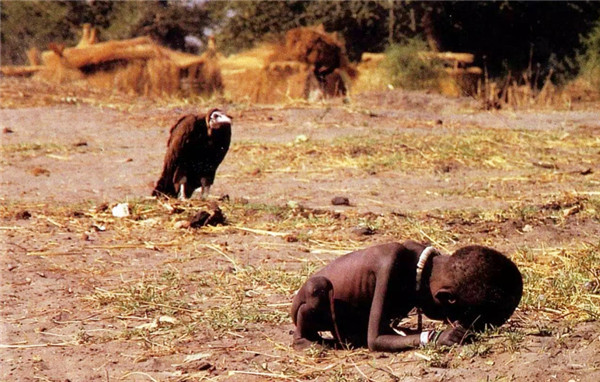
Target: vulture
{"points": [[197, 145]]}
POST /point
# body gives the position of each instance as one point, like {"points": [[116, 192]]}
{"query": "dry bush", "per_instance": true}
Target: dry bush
{"points": [[331, 72], [313, 46], [521, 92], [581, 90], [242, 72], [310, 62], [371, 76]]}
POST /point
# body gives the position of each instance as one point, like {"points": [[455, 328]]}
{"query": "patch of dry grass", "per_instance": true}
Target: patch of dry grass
{"points": [[486, 149], [174, 306], [562, 281], [30, 150]]}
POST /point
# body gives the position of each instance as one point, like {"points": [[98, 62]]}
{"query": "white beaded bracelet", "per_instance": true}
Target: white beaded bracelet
{"points": [[424, 338]]}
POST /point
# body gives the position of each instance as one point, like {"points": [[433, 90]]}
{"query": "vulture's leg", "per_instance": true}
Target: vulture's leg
{"points": [[205, 183], [181, 195], [205, 191], [179, 182]]}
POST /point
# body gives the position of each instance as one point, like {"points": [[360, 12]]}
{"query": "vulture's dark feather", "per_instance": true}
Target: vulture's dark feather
{"points": [[197, 145]]}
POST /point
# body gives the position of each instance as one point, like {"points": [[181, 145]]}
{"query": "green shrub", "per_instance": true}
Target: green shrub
{"points": [[589, 60], [407, 70]]}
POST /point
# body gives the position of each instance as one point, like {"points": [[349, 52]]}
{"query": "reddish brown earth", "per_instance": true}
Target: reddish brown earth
{"points": [[94, 149]]}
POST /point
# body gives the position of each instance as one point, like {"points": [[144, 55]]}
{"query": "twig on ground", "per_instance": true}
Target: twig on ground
{"points": [[261, 231], [269, 375], [138, 373]]}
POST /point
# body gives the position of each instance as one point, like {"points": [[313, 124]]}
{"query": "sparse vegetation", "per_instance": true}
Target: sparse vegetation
{"points": [[144, 287]]}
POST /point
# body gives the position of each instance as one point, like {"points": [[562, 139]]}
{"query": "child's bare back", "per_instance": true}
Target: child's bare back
{"points": [[358, 295]]}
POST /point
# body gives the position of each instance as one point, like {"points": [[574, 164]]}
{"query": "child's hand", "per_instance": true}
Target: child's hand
{"points": [[452, 336]]}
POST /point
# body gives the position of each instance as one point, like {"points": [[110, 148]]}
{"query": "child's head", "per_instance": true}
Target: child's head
{"points": [[481, 287]]}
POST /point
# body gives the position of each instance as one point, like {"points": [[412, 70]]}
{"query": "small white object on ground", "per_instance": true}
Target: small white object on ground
{"points": [[121, 210]]}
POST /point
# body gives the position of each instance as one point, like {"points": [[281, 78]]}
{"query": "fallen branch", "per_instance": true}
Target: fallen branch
{"points": [[17, 70], [226, 256], [54, 253], [261, 232], [270, 375], [148, 245]]}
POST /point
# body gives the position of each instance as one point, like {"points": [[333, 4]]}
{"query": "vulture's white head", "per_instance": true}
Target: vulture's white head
{"points": [[216, 119]]}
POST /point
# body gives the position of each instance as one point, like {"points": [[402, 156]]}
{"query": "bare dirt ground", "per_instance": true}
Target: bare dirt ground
{"points": [[87, 296]]}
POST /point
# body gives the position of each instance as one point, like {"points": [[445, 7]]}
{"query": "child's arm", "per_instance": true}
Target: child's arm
{"points": [[378, 338], [394, 343]]}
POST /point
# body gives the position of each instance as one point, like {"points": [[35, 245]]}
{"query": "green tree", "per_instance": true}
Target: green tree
{"points": [[31, 24], [27, 24], [511, 35], [363, 23], [170, 22], [241, 24]]}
